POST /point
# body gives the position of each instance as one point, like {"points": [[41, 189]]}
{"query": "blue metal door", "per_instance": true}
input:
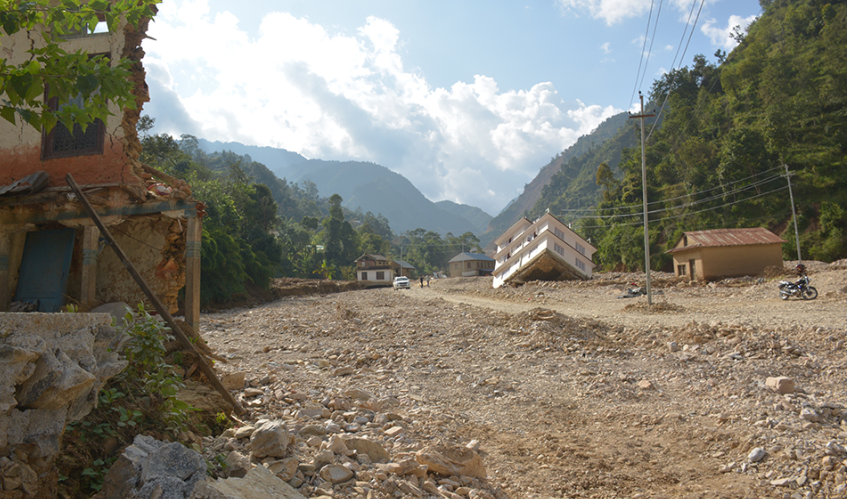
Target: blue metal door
{"points": [[44, 270]]}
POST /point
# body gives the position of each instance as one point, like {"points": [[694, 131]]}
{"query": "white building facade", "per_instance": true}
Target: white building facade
{"points": [[542, 250]]}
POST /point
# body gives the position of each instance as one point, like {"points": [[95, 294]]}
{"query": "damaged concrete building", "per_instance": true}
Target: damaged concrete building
{"points": [[543, 250], [52, 366], [51, 254]]}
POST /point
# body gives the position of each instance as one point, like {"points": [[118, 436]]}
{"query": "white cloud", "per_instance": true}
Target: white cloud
{"points": [[606, 48], [721, 37], [297, 86], [668, 48], [615, 11]]}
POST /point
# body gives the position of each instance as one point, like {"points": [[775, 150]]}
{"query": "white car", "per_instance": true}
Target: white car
{"points": [[401, 282]]}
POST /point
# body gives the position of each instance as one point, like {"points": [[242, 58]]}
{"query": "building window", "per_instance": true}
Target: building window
{"points": [[558, 249], [680, 269], [380, 276], [62, 143], [559, 234], [364, 276], [468, 265], [580, 248], [580, 264]]}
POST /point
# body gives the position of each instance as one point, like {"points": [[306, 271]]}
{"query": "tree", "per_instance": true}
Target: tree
{"points": [[94, 81]]}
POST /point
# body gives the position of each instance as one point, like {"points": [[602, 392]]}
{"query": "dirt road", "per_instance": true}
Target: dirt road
{"points": [[570, 391]]}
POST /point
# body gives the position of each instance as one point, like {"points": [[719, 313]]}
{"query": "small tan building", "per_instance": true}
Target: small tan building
{"points": [[716, 254], [471, 264]]}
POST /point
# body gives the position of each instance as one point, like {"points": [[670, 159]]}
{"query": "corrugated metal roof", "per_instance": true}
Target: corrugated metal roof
{"points": [[403, 265], [463, 257], [729, 237], [368, 256]]}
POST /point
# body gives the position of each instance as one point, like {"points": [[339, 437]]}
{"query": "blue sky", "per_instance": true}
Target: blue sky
{"points": [[467, 99]]}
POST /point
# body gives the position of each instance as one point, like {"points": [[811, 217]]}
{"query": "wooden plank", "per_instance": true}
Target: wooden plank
{"points": [[53, 215], [157, 304]]}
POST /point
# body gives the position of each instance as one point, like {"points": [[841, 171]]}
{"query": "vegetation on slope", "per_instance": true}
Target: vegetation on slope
{"points": [[728, 130]]}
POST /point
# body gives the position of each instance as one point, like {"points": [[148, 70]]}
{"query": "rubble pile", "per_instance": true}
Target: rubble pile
{"points": [[457, 390], [349, 443]]}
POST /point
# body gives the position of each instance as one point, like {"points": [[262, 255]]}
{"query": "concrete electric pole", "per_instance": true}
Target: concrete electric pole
{"points": [[788, 176], [644, 195]]}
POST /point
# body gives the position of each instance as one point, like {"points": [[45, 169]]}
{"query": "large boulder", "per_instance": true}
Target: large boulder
{"points": [[270, 439], [52, 367], [152, 469]]}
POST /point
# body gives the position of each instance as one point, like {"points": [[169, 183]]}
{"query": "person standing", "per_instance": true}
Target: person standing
{"points": [[421, 281], [427, 281]]}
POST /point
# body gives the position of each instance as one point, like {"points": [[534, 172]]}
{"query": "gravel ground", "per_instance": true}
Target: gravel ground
{"points": [[569, 390]]}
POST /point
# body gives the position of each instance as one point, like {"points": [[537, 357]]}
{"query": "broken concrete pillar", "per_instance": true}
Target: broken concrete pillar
{"points": [[90, 244], [193, 236], [5, 275]]}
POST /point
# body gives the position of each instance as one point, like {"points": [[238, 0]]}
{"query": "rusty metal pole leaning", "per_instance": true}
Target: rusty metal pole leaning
{"points": [[157, 304], [644, 196]]}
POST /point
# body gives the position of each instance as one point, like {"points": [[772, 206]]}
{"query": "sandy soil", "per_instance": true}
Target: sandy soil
{"points": [[571, 391]]}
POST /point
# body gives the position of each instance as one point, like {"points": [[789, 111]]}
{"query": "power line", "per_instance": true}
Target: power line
{"points": [[690, 35], [644, 45], [652, 39], [683, 214], [693, 203], [722, 186]]}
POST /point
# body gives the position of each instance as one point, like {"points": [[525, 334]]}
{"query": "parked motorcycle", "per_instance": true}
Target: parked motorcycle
{"points": [[637, 291], [800, 289]]}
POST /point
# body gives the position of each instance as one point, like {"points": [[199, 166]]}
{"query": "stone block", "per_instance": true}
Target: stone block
{"points": [[269, 439], [781, 384], [259, 483]]}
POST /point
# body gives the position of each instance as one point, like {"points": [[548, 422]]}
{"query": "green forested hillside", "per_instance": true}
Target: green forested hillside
{"points": [[477, 218], [728, 128], [533, 190], [574, 186]]}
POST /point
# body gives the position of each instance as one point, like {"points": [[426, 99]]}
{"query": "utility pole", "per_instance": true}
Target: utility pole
{"points": [[644, 195], [788, 176]]}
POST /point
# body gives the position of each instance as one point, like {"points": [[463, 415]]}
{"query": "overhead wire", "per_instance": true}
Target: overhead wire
{"points": [[688, 205], [644, 45], [673, 78], [652, 39], [722, 186], [683, 214]]}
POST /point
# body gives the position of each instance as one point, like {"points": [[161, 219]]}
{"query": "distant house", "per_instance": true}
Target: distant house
{"points": [[402, 268], [716, 254], [545, 249], [378, 270], [471, 264]]}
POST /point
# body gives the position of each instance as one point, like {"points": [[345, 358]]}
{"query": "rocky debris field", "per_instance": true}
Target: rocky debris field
{"points": [[545, 390]]}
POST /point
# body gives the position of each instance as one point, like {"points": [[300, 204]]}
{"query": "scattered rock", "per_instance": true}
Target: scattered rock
{"points": [[451, 461], [781, 384], [269, 440], [756, 455], [259, 483]]}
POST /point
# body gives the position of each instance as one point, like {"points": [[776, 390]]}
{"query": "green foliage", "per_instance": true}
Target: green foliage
{"points": [[428, 252], [241, 247], [147, 368], [97, 81], [140, 399], [716, 159]]}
